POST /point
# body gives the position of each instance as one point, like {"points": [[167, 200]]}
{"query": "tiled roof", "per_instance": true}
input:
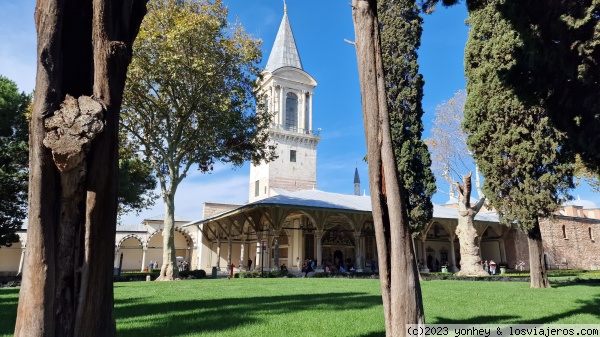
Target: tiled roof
{"points": [[138, 227], [346, 202]]}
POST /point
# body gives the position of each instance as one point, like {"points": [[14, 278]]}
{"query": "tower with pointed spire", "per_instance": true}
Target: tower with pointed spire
{"points": [[356, 182], [288, 92]]}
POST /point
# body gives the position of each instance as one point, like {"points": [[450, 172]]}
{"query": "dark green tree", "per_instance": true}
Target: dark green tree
{"points": [[559, 65], [14, 160], [400, 25], [527, 169]]}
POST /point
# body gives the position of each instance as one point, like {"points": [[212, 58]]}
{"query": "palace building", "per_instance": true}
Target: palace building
{"points": [[287, 220]]}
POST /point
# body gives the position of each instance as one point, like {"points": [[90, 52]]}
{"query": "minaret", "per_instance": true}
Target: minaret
{"points": [[288, 92], [356, 182]]}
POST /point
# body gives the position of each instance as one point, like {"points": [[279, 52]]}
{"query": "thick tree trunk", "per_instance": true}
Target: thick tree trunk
{"points": [[168, 269], [82, 53], [401, 291], [470, 262], [537, 267]]}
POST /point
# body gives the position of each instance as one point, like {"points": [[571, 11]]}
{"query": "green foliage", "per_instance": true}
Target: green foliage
{"points": [[558, 64], [198, 273], [401, 28], [527, 170], [189, 93], [14, 160], [136, 182], [267, 274]]}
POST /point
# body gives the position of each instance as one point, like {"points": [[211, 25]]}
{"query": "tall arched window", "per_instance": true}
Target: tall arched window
{"points": [[590, 233], [291, 111], [564, 232]]}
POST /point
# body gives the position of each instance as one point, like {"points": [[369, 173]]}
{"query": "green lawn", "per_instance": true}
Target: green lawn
{"points": [[323, 307]]}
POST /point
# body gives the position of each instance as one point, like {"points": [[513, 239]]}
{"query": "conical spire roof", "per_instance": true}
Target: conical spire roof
{"points": [[284, 52], [356, 178]]}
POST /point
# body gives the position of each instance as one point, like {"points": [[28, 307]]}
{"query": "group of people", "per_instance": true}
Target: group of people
{"points": [[152, 265], [308, 266], [489, 267], [183, 266]]}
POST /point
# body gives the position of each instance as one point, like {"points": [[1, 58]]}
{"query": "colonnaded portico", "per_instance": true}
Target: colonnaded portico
{"points": [[331, 228]]}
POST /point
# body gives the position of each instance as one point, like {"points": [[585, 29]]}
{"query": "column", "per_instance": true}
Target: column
{"points": [[302, 111], [229, 248], [281, 106], [318, 236], [276, 254], [357, 251], [453, 267], [258, 250], [310, 111], [423, 253], [144, 249], [502, 250], [21, 261], [218, 264], [242, 253]]}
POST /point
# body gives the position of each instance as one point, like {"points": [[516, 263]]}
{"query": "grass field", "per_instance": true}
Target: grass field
{"points": [[323, 307]]}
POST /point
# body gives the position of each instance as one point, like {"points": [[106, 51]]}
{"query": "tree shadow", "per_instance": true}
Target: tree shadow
{"points": [[8, 310], [483, 319], [214, 315]]}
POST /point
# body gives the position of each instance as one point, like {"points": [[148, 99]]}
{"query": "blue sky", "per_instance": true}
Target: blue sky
{"points": [[320, 28]]}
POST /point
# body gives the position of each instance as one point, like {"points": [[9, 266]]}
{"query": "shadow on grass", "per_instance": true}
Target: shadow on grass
{"points": [[218, 315], [9, 298], [483, 319], [588, 306]]}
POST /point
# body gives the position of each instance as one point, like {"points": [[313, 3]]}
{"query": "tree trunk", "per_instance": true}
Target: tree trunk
{"points": [[168, 269], [537, 267], [401, 291], [470, 262], [82, 62]]}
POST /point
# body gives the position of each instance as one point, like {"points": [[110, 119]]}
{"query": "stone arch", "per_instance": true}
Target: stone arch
{"points": [[129, 236], [188, 234], [132, 253]]}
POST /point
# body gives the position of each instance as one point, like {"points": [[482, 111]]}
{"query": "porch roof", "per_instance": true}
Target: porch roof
{"points": [[316, 199]]}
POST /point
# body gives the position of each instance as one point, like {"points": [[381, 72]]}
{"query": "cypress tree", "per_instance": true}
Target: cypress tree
{"points": [[527, 168], [401, 28]]}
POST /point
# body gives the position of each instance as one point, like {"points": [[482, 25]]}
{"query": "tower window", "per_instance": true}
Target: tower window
{"points": [[293, 156], [291, 111], [564, 232], [256, 188]]}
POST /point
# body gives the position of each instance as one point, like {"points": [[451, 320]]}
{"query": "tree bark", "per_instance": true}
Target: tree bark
{"points": [[401, 291], [470, 261], [84, 49], [537, 267]]}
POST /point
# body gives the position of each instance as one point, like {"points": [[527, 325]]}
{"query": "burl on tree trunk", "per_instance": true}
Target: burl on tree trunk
{"points": [[84, 49], [470, 262], [401, 291]]}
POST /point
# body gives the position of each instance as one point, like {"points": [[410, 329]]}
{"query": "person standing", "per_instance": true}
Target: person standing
{"points": [[249, 264], [492, 267]]}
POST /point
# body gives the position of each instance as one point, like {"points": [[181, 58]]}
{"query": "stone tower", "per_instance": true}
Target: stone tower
{"points": [[288, 91]]}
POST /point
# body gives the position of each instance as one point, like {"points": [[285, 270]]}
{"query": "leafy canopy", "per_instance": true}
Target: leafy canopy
{"points": [[14, 160], [189, 96]]}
